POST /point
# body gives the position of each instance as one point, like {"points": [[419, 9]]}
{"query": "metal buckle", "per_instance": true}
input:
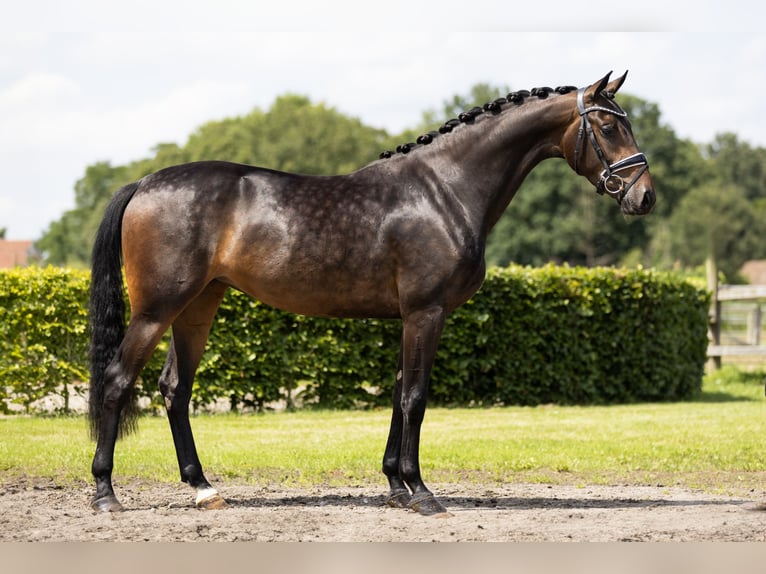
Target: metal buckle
{"points": [[613, 184]]}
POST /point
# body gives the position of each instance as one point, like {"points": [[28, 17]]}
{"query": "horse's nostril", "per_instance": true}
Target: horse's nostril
{"points": [[648, 200]]}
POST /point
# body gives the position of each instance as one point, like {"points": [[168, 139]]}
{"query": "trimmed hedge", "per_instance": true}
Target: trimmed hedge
{"points": [[577, 336], [530, 336], [43, 339]]}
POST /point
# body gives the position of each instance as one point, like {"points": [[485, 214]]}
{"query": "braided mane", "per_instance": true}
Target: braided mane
{"points": [[468, 117]]}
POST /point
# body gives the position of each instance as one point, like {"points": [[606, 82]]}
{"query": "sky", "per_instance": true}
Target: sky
{"points": [[84, 81]]}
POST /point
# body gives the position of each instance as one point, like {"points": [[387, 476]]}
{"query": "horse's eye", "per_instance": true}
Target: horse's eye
{"points": [[607, 129]]}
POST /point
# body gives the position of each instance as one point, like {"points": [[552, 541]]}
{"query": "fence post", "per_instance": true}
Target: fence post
{"points": [[754, 325], [714, 316]]}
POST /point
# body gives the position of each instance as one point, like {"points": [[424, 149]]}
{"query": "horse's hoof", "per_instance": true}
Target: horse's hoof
{"points": [[106, 504], [215, 502], [427, 505], [399, 498]]}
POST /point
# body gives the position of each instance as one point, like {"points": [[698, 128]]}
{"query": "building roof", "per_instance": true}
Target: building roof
{"points": [[754, 271], [14, 253]]}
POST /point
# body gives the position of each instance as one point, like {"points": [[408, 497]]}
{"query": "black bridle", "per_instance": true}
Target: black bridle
{"points": [[610, 181]]}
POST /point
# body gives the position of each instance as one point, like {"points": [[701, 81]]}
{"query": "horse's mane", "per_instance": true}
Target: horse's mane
{"points": [[469, 116]]}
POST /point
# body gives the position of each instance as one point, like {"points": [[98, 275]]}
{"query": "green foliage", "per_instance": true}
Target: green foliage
{"points": [[43, 340], [737, 162], [530, 336], [575, 336], [717, 220]]}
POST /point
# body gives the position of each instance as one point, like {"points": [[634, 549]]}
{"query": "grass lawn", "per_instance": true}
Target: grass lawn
{"points": [[715, 442]]}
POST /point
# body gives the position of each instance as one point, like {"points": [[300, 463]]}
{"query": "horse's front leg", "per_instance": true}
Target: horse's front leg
{"points": [[420, 338], [399, 496]]}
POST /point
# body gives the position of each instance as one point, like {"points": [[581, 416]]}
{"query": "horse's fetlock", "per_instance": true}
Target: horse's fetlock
{"points": [[409, 472], [391, 466], [192, 474]]}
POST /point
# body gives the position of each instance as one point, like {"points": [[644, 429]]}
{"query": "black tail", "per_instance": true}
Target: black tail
{"points": [[107, 308]]}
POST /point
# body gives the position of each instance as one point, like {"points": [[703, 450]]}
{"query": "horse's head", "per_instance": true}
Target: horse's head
{"points": [[600, 146]]}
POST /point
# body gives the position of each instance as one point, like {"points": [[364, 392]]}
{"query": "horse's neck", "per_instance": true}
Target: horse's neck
{"points": [[489, 160]]}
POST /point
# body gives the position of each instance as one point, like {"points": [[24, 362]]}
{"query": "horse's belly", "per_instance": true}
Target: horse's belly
{"points": [[321, 295]]}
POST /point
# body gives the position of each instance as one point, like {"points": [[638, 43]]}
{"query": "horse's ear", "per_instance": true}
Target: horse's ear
{"points": [[615, 85], [595, 89]]}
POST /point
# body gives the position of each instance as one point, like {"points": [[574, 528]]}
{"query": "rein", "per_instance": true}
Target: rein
{"points": [[610, 181]]}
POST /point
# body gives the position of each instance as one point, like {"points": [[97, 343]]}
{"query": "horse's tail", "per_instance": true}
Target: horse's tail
{"points": [[107, 309]]}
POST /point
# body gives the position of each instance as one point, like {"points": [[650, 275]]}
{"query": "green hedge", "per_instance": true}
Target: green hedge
{"points": [[577, 336], [43, 339], [530, 336]]}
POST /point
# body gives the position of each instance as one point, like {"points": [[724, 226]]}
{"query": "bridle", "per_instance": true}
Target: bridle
{"points": [[610, 181]]}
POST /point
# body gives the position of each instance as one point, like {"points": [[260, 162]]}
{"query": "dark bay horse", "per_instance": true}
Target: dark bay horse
{"points": [[402, 237]]}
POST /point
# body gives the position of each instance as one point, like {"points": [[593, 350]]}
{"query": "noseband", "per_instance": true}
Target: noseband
{"points": [[610, 181]]}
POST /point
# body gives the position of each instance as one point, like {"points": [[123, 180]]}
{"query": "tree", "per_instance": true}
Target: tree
{"points": [[724, 216], [717, 222], [738, 163]]}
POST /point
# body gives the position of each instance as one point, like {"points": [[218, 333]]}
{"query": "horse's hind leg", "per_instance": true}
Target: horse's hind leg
{"points": [[140, 340], [190, 331]]}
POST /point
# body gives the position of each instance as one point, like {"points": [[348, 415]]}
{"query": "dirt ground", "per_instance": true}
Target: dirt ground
{"points": [[38, 510]]}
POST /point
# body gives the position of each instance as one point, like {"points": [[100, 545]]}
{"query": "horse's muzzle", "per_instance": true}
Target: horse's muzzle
{"points": [[639, 200]]}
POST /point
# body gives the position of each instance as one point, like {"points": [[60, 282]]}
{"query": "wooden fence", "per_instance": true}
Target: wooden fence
{"points": [[735, 322]]}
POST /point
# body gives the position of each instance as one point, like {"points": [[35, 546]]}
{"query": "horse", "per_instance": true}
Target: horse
{"points": [[400, 238]]}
